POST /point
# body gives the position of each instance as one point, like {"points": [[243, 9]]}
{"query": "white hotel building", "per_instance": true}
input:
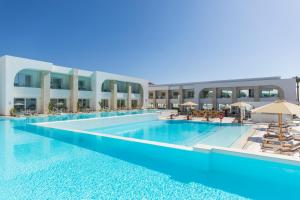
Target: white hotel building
{"points": [[218, 94], [32, 84]]}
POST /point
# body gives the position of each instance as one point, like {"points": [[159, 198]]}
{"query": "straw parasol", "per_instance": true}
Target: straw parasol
{"points": [[279, 107], [242, 105], [189, 104]]}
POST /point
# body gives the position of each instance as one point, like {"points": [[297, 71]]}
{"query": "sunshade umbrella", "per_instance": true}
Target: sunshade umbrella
{"points": [[279, 107], [241, 105], [189, 103]]}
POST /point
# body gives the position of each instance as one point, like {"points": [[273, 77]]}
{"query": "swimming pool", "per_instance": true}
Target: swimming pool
{"points": [[45, 163], [180, 132]]}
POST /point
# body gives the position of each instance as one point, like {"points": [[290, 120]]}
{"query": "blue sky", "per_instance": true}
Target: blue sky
{"points": [[160, 40]]}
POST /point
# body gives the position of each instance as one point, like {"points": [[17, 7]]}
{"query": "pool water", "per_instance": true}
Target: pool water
{"points": [[43, 164], [180, 132]]}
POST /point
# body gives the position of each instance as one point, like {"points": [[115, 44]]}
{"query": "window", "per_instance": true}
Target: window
{"points": [[22, 104], [224, 106], [266, 93], [135, 88], [150, 95], [81, 85], [23, 80], [161, 105], [83, 103], [161, 95], [56, 83], [106, 86], [175, 95], [246, 93], [30, 104], [134, 103], [59, 104], [189, 94], [207, 94], [121, 103], [104, 103], [175, 105], [226, 93], [206, 106], [19, 104], [122, 87]]}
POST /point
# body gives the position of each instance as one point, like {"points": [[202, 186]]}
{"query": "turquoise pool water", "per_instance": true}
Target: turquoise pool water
{"points": [[179, 132], [43, 163]]}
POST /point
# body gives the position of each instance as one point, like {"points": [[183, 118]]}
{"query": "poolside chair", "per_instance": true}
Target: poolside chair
{"points": [[275, 137], [195, 113], [289, 148]]}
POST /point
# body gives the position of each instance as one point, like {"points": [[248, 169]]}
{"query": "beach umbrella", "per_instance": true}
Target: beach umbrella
{"points": [[189, 104], [242, 106], [279, 107]]}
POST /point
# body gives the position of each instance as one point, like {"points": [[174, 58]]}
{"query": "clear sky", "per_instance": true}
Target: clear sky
{"points": [[163, 41]]}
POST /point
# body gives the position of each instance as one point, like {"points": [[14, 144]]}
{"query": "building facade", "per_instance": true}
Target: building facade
{"points": [[28, 84], [218, 94]]}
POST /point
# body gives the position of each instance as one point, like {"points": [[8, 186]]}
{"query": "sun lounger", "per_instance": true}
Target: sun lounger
{"points": [[289, 148]]}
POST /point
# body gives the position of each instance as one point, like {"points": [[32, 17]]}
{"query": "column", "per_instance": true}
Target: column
{"points": [[214, 98], [129, 97], [180, 92], [256, 93], [45, 89], [154, 98], [234, 94], [167, 99], [74, 91], [114, 95]]}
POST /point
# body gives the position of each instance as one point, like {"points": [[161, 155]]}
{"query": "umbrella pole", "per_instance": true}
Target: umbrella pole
{"points": [[280, 125], [241, 113]]}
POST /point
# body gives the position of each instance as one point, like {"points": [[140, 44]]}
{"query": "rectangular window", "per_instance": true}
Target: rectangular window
{"points": [[83, 103], [30, 104], [23, 80], [266, 93], [81, 85], [190, 94], [56, 83], [207, 106], [246, 93], [121, 103], [59, 104], [226, 94], [151, 95], [27, 81], [122, 87], [175, 95], [25, 104], [175, 105], [207, 94], [19, 104], [134, 104], [104, 103]]}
